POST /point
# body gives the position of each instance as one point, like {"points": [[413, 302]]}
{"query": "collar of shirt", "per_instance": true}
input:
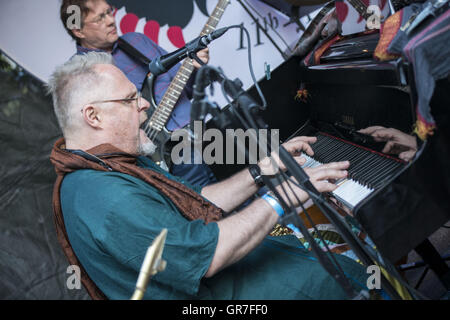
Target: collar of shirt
{"points": [[81, 49]]}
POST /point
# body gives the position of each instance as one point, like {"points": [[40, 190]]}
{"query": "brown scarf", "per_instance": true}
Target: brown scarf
{"points": [[190, 203]]}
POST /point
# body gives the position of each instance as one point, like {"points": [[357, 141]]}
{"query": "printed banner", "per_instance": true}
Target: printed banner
{"points": [[32, 34]]}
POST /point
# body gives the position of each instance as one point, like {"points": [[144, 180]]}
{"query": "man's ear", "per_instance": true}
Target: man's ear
{"points": [[78, 33], [91, 116]]}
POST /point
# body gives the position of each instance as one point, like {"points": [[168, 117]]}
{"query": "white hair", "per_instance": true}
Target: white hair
{"points": [[74, 84]]}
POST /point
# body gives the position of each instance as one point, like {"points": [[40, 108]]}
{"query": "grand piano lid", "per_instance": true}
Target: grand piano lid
{"points": [[350, 61]]}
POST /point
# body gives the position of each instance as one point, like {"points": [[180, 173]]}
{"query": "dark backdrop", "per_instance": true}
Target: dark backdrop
{"points": [[32, 265]]}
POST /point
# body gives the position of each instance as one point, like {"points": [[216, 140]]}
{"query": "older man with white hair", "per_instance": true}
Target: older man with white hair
{"points": [[110, 203]]}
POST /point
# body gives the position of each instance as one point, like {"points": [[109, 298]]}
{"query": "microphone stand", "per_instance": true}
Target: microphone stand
{"points": [[247, 111]]}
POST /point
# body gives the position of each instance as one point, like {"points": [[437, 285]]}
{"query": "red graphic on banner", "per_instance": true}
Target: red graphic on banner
{"points": [[175, 35], [341, 10], [129, 23], [151, 30]]}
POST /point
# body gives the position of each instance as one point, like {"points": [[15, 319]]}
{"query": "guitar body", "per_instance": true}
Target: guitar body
{"points": [[159, 114], [162, 155]]}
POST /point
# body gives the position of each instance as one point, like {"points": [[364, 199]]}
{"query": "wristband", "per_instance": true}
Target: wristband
{"points": [[255, 171], [274, 204]]}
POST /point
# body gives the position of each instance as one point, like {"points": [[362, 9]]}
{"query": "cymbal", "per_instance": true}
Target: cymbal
{"points": [[306, 2]]}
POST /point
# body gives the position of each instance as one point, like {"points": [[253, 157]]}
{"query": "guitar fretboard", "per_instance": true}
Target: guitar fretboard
{"points": [[360, 7], [162, 113]]}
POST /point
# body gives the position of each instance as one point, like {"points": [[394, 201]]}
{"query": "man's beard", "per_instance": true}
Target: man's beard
{"points": [[147, 148]]}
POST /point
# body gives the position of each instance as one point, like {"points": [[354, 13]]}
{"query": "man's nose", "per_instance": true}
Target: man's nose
{"points": [[144, 105], [110, 19]]}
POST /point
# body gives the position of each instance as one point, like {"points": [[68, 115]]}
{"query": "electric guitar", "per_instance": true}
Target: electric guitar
{"points": [[156, 125]]}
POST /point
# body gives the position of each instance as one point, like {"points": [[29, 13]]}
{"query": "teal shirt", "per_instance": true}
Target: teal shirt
{"points": [[112, 218]]}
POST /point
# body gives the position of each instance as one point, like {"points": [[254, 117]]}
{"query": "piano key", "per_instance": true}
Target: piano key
{"points": [[378, 170], [362, 174], [343, 153], [351, 192], [361, 164], [387, 175]]}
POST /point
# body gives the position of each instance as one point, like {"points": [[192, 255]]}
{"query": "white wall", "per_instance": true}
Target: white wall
{"points": [[32, 35]]}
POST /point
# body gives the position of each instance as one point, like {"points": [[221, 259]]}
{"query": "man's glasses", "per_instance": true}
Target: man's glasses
{"points": [[138, 100], [101, 18]]}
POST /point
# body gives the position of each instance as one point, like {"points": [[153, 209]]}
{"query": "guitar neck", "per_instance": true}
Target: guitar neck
{"points": [[360, 7], [171, 96]]}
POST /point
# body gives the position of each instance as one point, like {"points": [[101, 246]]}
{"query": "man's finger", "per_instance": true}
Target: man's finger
{"points": [[388, 146], [370, 130], [305, 139], [300, 160], [306, 148], [295, 147], [329, 174], [333, 165], [383, 134], [325, 186], [407, 155]]}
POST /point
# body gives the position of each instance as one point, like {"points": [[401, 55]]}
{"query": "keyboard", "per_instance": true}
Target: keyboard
{"points": [[369, 170]]}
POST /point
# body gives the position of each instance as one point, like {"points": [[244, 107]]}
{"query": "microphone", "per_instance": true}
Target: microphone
{"points": [[162, 64]]}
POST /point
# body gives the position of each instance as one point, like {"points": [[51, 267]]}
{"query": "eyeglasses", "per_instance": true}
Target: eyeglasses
{"points": [[138, 99], [101, 18]]}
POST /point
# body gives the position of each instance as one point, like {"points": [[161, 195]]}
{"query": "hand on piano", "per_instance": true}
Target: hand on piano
{"points": [[321, 177], [295, 146], [397, 142]]}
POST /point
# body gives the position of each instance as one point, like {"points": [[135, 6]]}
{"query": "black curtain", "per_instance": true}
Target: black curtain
{"points": [[32, 264]]}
